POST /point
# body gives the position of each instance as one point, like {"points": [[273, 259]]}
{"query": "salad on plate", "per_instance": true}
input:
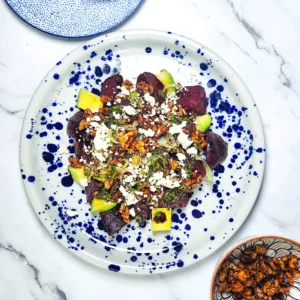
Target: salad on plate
{"points": [[141, 149]]}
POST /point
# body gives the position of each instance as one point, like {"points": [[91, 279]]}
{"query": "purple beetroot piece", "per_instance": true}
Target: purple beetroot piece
{"points": [[216, 150], [157, 86], [110, 86], [199, 168], [73, 124], [193, 99], [143, 211], [183, 200], [94, 186], [112, 220]]}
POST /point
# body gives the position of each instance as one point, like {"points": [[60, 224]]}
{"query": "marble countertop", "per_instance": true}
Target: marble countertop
{"points": [[259, 39]]}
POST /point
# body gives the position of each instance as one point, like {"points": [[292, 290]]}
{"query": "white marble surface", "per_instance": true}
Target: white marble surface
{"points": [[260, 39]]}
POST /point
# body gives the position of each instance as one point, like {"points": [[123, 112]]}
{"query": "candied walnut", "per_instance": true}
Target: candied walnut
{"points": [[296, 274], [144, 87], [161, 130], [108, 183], [173, 163], [105, 99], [116, 196], [88, 113], [289, 278], [237, 287], [124, 211], [261, 249], [224, 287], [75, 163], [243, 275], [83, 124], [127, 84], [248, 257], [293, 262], [115, 161], [140, 145], [126, 138]]}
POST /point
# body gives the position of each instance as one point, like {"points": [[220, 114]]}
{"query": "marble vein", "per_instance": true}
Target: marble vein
{"points": [[54, 288], [258, 38], [235, 43], [11, 112]]}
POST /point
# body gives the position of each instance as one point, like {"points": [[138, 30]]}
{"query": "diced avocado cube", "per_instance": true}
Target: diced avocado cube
{"points": [[167, 80], [88, 100], [77, 174], [99, 205], [203, 122], [161, 219]]}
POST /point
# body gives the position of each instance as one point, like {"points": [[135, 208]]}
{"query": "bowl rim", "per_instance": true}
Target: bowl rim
{"points": [[228, 252]]}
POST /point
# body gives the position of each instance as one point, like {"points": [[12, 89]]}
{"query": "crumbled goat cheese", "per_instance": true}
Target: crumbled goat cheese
{"points": [[96, 118], [100, 156], [117, 116], [184, 140], [124, 91], [100, 140], [84, 182], [149, 132], [132, 212], [149, 99], [63, 149], [181, 156], [183, 174], [129, 110], [192, 151], [130, 198], [177, 128], [71, 212]]}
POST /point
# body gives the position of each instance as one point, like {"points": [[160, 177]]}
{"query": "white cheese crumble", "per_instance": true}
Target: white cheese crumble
{"points": [[149, 99], [177, 128], [184, 140], [63, 149], [117, 116], [130, 198], [100, 156], [181, 156], [124, 91], [192, 151], [84, 182], [129, 110], [132, 212], [95, 125], [183, 174], [100, 140], [96, 118], [149, 132], [71, 213]]}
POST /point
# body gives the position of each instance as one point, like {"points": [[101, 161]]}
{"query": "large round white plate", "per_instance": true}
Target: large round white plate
{"points": [[216, 210]]}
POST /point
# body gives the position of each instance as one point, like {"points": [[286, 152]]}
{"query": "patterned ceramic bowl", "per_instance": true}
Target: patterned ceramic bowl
{"points": [[277, 247]]}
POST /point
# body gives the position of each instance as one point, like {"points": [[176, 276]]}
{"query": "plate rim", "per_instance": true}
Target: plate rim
{"points": [[126, 269], [79, 36]]}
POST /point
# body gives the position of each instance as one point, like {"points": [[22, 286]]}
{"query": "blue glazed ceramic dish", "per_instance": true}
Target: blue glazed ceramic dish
{"points": [[216, 210], [74, 18]]}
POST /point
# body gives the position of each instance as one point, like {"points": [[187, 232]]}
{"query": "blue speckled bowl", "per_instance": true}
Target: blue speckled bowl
{"points": [[216, 210], [277, 247], [74, 18]]}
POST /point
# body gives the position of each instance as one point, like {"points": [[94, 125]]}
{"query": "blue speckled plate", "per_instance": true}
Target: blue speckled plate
{"points": [[216, 210], [74, 18]]}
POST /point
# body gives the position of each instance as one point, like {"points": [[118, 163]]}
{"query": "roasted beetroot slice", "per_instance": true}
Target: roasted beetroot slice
{"points": [[199, 168], [216, 150], [143, 211], [94, 186], [157, 86], [112, 220], [73, 124], [183, 200], [193, 99], [80, 152], [110, 86]]}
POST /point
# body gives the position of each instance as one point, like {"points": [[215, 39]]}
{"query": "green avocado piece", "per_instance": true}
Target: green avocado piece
{"points": [[166, 79], [77, 174], [99, 205], [203, 122], [88, 100]]}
